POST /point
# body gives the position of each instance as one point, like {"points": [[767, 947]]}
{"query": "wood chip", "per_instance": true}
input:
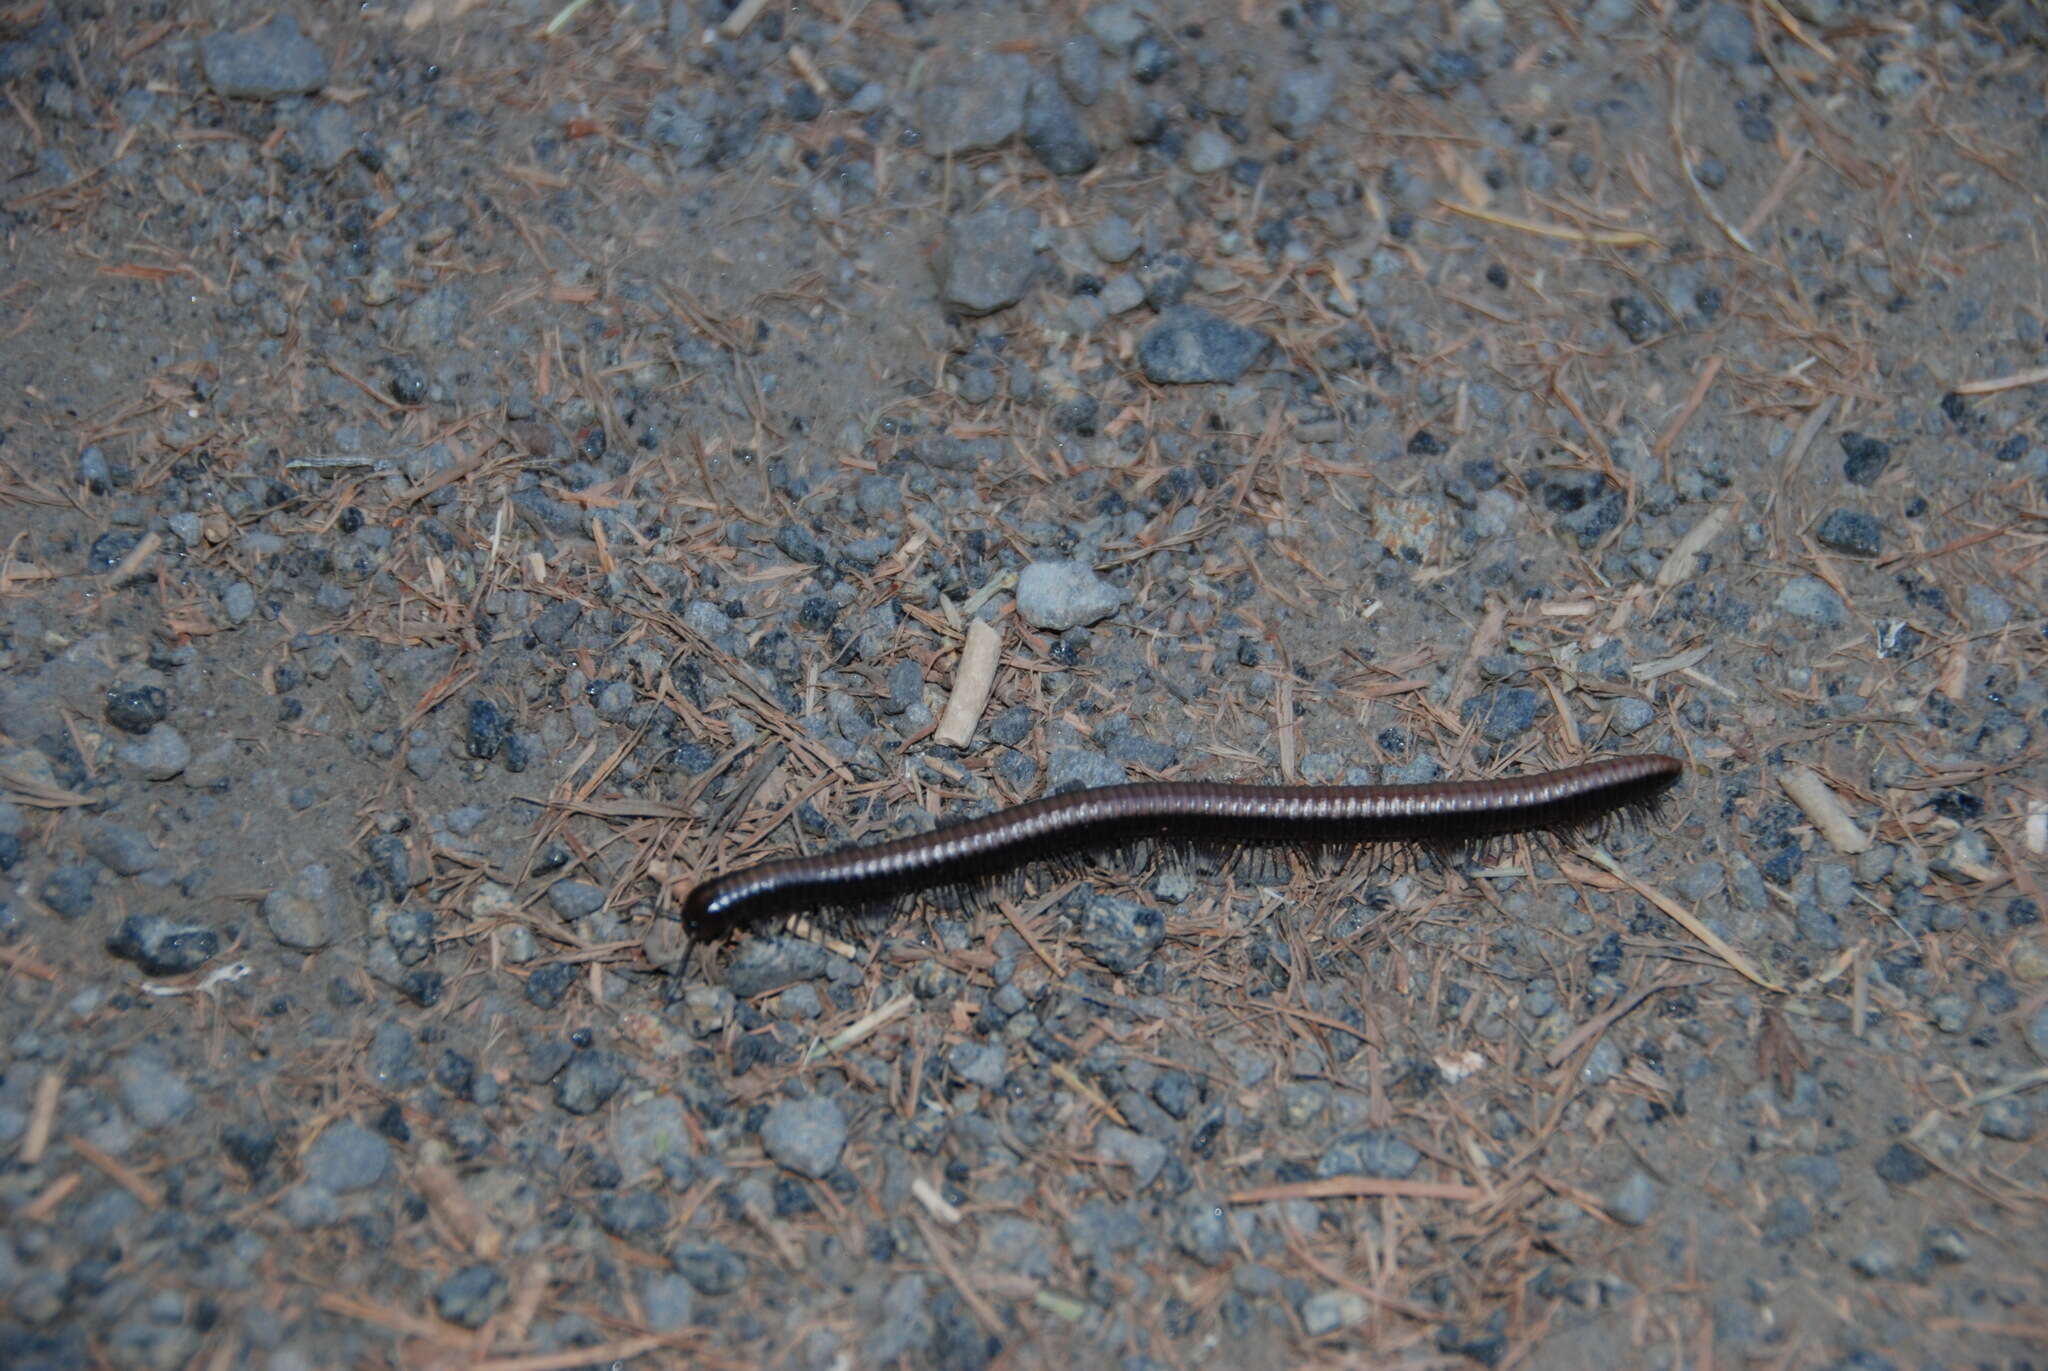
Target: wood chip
{"points": [[42, 1116], [452, 1204], [1683, 561], [1820, 803], [941, 1208], [137, 558], [1993, 384], [866, 1026], [972, 682], [1359, 1187], [119, 1172], [742, 18]]}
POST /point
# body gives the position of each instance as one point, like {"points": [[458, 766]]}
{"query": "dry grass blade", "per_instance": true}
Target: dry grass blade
{"points": [[1684, 917], [1620, 238]]}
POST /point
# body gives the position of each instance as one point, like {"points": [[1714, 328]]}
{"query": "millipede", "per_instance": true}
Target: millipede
{"points": [[1434, 815]]}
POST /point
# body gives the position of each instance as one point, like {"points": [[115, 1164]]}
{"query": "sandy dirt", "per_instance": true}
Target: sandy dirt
{"points": [[469, 471]]}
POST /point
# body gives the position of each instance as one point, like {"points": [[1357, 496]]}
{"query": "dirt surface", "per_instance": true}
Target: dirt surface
{"points": [[467, 471]]}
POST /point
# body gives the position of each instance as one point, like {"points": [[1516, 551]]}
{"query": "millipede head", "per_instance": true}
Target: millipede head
{"points": [[705, 920]]}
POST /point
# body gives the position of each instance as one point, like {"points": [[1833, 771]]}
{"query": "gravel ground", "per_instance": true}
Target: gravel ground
{"points": [[469, 469]]}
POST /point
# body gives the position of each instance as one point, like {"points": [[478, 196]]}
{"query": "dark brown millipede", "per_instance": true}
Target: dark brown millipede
{"points": [[1436, 814]]}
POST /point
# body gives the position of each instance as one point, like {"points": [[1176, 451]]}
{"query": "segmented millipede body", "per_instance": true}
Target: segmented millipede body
{"points": [[1435, 814]]}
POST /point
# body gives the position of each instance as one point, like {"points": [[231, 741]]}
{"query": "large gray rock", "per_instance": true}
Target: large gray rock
{"points": [[265, 63]]}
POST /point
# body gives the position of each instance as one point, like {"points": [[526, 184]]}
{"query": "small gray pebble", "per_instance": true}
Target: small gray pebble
{"points": [[1208, 151], [1301, 99], [1814, 601], [1876, 1262], [424, 758], [1053, 129], [614, 701], [766, 964], [799, 1003], [295, 920], [1874, 864], [1701, 881], [1203, 1232], [1012, 726], [1146, 1157], [122, 850], [347, 1157], [1174, 1092], [1631, 716], [990, 258], [1122, 293], [1835, 885], [1951, 1012], [976, 386], [1064, 595], [707, 1009], [1634, 1200], [68, 890], [394, 1057], [1786, 1220], [906, 1318], [1080, 64], [238, 601], [575, 899], [263, 63], [1375, 1152], [152, 1091], [136, 708], [650, 1130], [1726, 36], [632, 1213], [1113, 239], [906, 687], [980, 107], [1901, 1165], [1191, 346], [805, 1135], [667, 1300], [470, 1296], [464, 821], [1330, 1310], [1505, 712], [1851, 532], [710, 1268], [1897, 81], [1603, 1063], [1116, 26], [591, 1078], [161, 946], [545, 1060], [1986, 609], [879, 497], [99, 1220], [159, 754], [518, 943], [1945, 1245], [554, 622], [983, 1063], [308, 1206], [2010, 1118], [1121, 934]]}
